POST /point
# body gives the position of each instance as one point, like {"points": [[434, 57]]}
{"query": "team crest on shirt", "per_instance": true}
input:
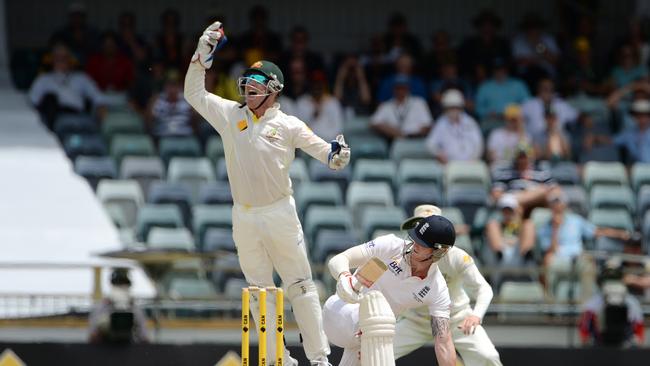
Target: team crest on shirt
{"points": [[425, 290], [272, 134], [242, 125]]}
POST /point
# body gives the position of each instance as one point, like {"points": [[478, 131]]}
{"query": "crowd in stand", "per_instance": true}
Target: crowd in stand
{"points": [[521, 102]]}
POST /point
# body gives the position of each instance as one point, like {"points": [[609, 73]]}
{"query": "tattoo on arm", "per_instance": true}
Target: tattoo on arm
{"points": [[439, 327]]}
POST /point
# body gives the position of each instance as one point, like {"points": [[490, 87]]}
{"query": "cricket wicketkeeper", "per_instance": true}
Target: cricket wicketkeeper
{"points": [[259, 144]]}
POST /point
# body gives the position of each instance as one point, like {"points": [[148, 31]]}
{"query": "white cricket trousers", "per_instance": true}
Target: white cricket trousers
{"points": [[271, 237], [476, 349]]}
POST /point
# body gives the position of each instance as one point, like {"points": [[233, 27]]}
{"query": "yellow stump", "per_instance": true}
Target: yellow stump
{"points": [[262, 327], [279, 327], [245, 326]]}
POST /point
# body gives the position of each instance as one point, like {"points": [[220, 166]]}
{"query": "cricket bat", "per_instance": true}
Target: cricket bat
{"points": [[369, 273]]}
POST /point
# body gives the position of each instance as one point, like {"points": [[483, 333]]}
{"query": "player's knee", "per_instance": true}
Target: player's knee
{"points": [[301, 288]]}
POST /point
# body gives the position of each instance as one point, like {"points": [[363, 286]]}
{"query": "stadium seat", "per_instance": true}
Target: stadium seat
{"points": [[122, 124], [217, 239], [363, 194], [640, 176], [614, 218], [164, 238], [366, 170], [88, 145], [68, 124], [577, 197], [205, 132], [215, 193], [209, 216], [157, 215], [330, 242], [419, 171], [226, 267], [121, 195], [383, 218], [612, 197], [144, 169], [409, 149], [298, 172], [368, 147], [222, 171], [469, 198], [191, 289], [357, 126], [319, 172], [179, 147], [317, 193], [521, 292], [232, 288], [645, 231], [602, 153], [173, 193], [467, 172], [565, 173], [326, 217], [411, 195], [131, 145], [567, 291], [604, 173], [95, 168], [194, 172], [214, 149], [643, 201]]}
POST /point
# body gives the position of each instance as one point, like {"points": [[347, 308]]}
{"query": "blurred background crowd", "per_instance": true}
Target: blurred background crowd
{"points": [[535, 142]]}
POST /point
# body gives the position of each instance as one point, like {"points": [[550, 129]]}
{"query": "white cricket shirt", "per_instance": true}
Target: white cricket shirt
{"points": [[461, 274], [402, 290], [258, 152]]}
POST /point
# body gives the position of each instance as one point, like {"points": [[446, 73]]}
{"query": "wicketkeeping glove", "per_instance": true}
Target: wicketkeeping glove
{"points": [[213, 38], [339, 155], [345, 289]]}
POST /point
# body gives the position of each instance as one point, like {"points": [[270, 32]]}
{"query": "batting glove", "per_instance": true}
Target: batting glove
{"points": [[339, 155], [213, 38], [345, 288]]}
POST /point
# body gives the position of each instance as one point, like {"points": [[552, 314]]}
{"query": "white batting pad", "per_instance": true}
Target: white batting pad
{"points": [[377, 325], [307, 311]]}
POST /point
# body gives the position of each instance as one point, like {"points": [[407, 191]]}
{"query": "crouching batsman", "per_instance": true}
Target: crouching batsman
{"points": [[392, 275]]}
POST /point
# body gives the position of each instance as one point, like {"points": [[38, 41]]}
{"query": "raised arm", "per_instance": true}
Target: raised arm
{"points": [[211, 107]]}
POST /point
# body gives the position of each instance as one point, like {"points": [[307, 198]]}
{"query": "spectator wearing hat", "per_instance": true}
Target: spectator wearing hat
{"points": [[171, 115], [503, 141], [636, 139], [535, 52], [116, 318], [562, 236], [535, 109], [495, 94], [404, 115], [456, 135], [403, 67], [552, 144], [510, 237], [321, 109], [477, 52]]}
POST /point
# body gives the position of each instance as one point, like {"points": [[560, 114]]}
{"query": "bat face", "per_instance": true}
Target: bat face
{"points": [[370, 272]]}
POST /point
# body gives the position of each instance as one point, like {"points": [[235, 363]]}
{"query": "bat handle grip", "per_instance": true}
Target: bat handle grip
{"points": [[358, 282]]}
